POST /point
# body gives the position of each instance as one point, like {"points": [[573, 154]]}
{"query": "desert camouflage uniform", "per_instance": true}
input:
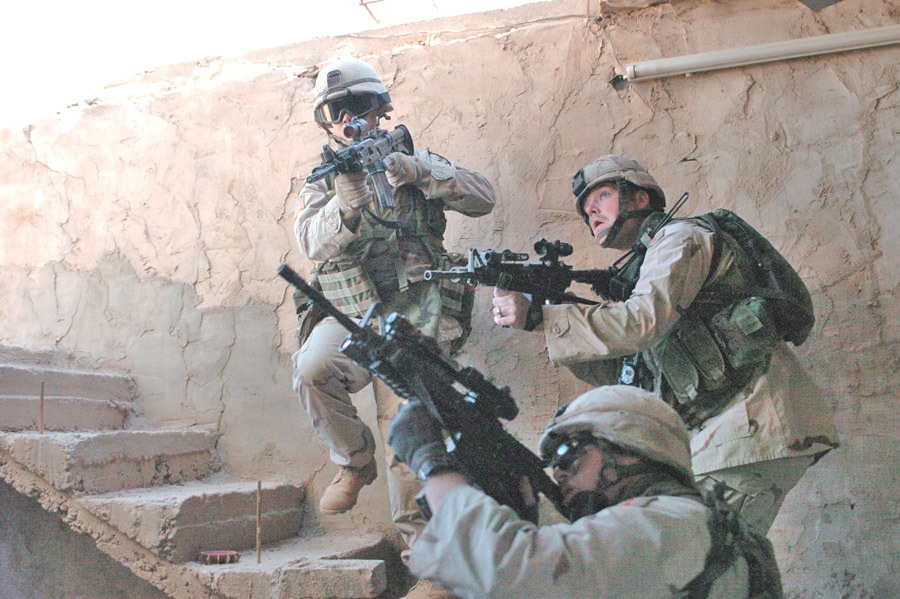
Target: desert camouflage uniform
{"points": [[645, 547], [390, 250], [764, 436]]}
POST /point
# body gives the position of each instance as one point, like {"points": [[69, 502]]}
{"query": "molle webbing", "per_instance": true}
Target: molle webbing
{"points": [[724, 337], [414, 216], [350, 290]]}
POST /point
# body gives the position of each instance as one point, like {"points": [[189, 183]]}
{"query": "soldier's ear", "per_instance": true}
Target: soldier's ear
{"points": [[641, 200]]}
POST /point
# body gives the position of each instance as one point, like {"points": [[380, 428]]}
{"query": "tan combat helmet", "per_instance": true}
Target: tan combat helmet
{"points": [[615, 167], [628, 417], [349, 85]]}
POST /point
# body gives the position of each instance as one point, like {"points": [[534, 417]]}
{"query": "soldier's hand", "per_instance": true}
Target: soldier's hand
{"points": [[352, 191], [417, 441], [402, 169], [510, 308], [529, 499]]}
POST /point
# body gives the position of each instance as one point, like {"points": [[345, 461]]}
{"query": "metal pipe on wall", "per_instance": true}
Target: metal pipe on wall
{"points": [[738, 57]]}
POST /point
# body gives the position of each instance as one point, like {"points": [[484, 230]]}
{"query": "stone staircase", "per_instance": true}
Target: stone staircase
{"points": [[154, 499]]}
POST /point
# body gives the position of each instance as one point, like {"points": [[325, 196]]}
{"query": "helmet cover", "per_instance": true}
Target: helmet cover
{"points": [[611, 168], [628, 417], [348, 82]]}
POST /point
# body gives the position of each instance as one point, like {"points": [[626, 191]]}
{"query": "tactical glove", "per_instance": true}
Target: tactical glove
{"points": [[352, 191], [417, 440], [402, 169]]}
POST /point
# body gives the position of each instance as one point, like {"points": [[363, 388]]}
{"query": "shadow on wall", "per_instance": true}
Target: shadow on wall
{"points": [[36, 551]]}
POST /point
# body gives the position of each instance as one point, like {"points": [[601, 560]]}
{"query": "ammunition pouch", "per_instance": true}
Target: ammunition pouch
{"points": [[704, 362], [308, 314], [348, 286], [746, 331]]}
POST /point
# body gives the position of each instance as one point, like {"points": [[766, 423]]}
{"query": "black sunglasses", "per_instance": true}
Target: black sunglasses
{"points": [[570, 450], [356, 105]]}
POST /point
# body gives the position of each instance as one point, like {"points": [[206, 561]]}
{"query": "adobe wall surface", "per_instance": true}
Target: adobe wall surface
{"points": [[141, 230]]}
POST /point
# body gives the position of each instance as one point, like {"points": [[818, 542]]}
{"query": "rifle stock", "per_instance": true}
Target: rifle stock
{"points": [[465, 403]]}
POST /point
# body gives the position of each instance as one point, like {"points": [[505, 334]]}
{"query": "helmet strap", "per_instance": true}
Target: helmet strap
{"points": [[584, 504], [629, 481], [627, 192], [626, 474], [340, 141]]}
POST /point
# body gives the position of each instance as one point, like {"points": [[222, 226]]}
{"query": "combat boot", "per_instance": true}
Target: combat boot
{"points": [[341, 494]]}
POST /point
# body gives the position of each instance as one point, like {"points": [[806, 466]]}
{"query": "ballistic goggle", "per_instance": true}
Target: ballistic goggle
{"points": [[355, 105], [569, 450]]}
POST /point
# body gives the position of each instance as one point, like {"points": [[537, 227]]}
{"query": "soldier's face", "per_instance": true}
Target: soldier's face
{"points": [[602, 208], [580, 475]]}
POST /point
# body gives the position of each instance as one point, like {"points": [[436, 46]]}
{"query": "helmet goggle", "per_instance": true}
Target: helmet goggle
{"points": [[579, 185], [355, 105], [570, 449]]}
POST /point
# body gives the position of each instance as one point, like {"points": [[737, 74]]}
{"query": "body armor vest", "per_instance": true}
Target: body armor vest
{"points": [[731, 537], [725, 338], [394, 248]]}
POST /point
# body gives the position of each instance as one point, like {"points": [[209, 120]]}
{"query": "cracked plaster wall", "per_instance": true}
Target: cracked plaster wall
{"points": [[141, 230]]}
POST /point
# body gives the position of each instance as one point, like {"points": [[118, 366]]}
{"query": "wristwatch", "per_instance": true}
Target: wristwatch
{"points": [[422, 503], [443, 463]]}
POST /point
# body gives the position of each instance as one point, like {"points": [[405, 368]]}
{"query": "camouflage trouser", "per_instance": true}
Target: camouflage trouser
{"points": [[757, 490], [325, 379]]}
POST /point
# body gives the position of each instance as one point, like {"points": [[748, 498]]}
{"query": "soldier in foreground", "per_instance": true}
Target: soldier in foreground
{"points": [[693, 324], [364, 253], [638, 526]]}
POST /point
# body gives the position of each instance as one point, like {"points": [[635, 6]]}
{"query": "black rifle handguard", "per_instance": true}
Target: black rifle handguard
{"points": [[464, 402]]}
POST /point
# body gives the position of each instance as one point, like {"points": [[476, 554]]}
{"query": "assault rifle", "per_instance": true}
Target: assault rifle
{"points": [[367, 153], [545, 280], [465, 404]]}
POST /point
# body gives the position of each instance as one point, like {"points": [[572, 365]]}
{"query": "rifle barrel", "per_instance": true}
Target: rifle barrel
{"points": [[288, 274], [444, 274]]}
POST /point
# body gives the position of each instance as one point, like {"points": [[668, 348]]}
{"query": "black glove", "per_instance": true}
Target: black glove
{"points": [[417, 440]]}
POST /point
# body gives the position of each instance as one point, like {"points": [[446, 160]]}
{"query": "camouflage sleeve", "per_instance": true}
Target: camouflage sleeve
{"points": [[460, 189], [320, 231], [672, 274], [475, 547]]}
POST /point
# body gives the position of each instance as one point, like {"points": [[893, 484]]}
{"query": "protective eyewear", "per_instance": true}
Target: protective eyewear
{"points": [[570, 450], [355, 105]]}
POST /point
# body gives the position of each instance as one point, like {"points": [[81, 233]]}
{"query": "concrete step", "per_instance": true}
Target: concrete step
{"points": [[106, 461], [24, 380], [61, 414], [177, 522], [340, 565]]}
